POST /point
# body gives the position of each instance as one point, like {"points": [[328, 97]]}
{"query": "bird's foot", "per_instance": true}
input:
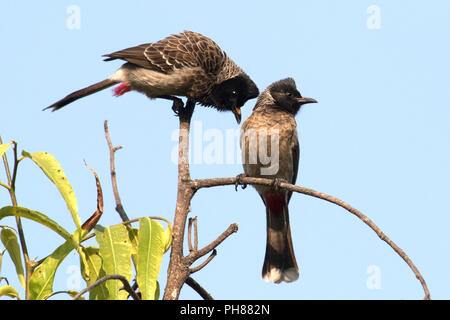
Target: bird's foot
{"points": [[185, 113], [238, 182], [177, 106], [277, 182]]}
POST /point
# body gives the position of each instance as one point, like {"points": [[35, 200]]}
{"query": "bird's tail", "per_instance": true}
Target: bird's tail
{"points": [[82, 93], [279, 263]]}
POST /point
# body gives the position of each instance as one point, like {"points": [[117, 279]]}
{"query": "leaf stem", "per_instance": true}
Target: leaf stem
{"points": [[11, 188]]}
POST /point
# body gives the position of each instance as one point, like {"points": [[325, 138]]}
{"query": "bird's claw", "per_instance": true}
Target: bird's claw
{"points": [[238, 182], [177, 106], [276, 183]]}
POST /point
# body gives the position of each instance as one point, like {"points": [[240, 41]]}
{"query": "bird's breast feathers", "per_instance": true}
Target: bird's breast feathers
{"points": [[268, 146]]}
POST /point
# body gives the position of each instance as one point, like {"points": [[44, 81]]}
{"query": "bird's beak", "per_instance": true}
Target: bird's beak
{"points": [[237, 114], [305, 100]]}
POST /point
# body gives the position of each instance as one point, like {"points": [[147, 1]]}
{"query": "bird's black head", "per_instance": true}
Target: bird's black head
{"points": [[232, 94], [286, 95]]}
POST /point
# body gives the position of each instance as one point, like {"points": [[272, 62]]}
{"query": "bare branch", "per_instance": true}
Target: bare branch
{"points": [[178, 270], [16, 165], [195, 234], [126, 286], [112, 150], [204, 263], [198, 288], [192, 222], [207, 183], [194, 255]]}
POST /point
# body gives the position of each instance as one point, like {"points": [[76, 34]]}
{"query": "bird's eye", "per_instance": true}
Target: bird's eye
{"points": [[289, 94], [234, 92]]}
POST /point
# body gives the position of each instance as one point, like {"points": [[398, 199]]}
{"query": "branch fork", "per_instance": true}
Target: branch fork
{"points": [[180, 266]]}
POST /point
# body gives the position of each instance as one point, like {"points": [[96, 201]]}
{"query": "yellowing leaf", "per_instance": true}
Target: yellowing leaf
{"points": [[41, 282], [35, 216], [9, 291], [11, 244], [151, 246], [167, 238], [91, 269], [3, 148], [133, 234], [115, 250], [54, 172]]}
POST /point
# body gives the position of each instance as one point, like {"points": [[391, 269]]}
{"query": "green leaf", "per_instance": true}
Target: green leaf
{"points": [[54, 172], [3, 148], [167, 238], [115, 250], [151, 246], [157, 290], [35, 216], [9, 291], [41, 281], [133, 234], [11, 244], [91, 269]]}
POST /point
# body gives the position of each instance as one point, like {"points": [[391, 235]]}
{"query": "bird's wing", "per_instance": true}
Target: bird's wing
{"points": [[295, 160], [133, 55], [187, 49]]}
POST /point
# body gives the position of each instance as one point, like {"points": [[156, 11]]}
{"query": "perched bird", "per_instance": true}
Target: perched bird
{"points": [[187, 64], [272, 129]]}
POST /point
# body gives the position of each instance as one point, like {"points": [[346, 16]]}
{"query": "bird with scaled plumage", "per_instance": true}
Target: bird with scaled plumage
{"points": [[187, 64]]}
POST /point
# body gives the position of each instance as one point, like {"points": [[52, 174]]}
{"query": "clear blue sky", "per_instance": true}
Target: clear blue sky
{"points": [[378, 138]]}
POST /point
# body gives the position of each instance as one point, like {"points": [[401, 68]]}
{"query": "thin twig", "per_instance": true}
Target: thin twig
{"points": [[126, 286], [192, 222], [4, 278], [195, 234], [207, 183], [12, 193], [112, 150], [16, 165], [204, 263], [59, 292], [198, 288], [191, 248], [5, 186], [194, 255], [151, 217]]}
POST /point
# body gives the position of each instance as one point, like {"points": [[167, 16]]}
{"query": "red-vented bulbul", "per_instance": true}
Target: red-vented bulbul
{"points": [[270, 149], [187, 64]]}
